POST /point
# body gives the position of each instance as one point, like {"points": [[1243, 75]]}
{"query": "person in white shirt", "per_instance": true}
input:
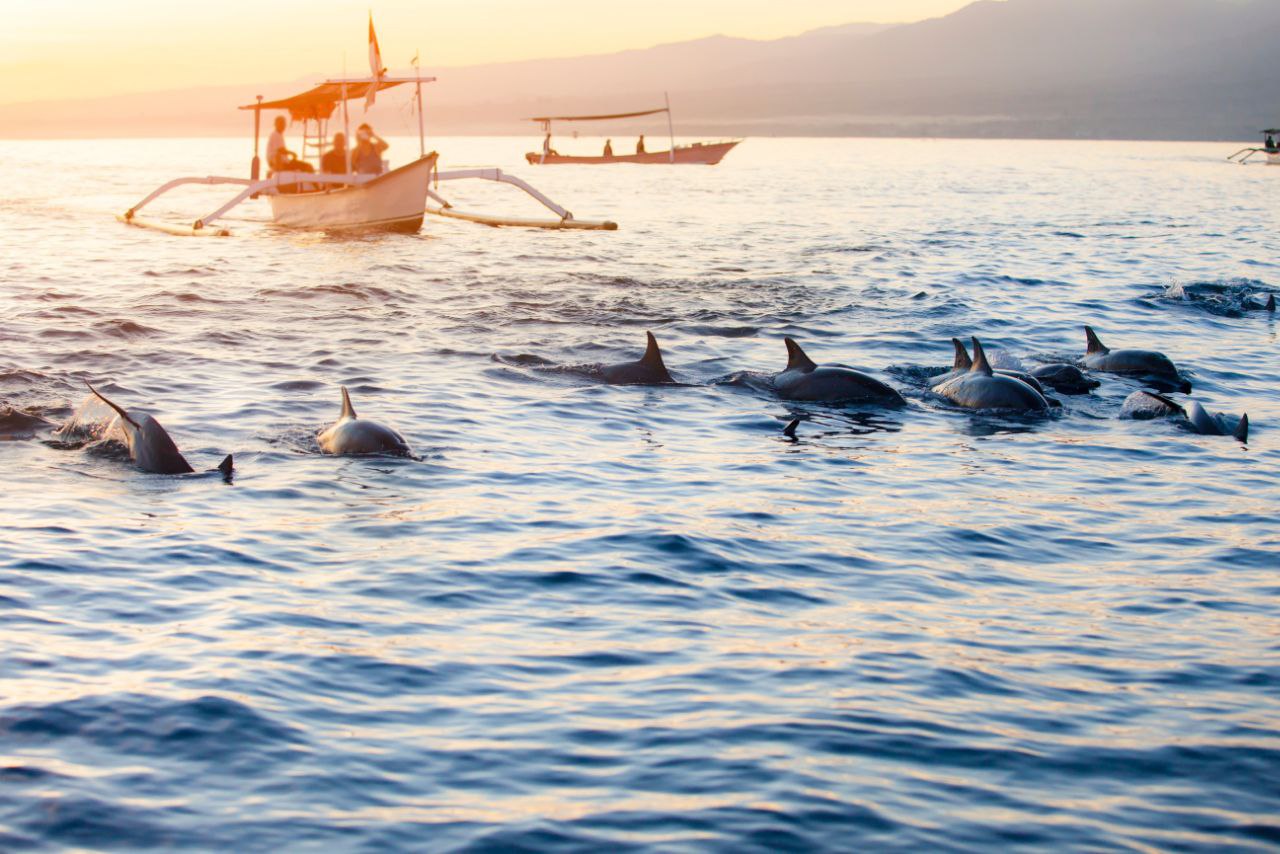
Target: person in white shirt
{"points": [[277, 154]]}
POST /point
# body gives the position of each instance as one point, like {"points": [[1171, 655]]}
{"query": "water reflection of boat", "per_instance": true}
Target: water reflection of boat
{"points": [[702, 153], [308, 197], [1270, 148]]}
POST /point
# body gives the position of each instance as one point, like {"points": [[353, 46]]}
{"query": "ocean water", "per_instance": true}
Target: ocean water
{"points": [[586, 616]]}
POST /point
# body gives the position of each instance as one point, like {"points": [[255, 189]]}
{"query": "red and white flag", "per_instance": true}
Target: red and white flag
{"points": [[376, 71]]}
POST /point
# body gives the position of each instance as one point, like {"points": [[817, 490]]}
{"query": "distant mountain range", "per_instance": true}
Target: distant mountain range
{"points": [[1137, 69]]}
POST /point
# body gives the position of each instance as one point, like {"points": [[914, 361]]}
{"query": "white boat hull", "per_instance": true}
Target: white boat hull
{"points": [[1273, 159], [395, 200]]}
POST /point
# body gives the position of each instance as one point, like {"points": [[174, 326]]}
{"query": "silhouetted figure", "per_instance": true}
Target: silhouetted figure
{"points": [[366, 158], [334, 161], [279, 158], [608, 148], [640, 145], [1270, 144]]}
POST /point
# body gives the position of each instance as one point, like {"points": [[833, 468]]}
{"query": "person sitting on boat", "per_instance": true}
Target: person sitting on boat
{"points": [[608, 148], [640, 145], [547, 150], [334, 161], [279, 158], [366, 159], [1270, 144]]}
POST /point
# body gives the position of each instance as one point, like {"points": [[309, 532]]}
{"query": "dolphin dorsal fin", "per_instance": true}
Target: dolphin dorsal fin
{"points": [[1271, 303], [790, 430], [1242, 429], [348, 411], [1095, 345], [120, 411], [227, 466], [962, 362], [1167, 401], [980, 363], [796, 359], [652, 355]]}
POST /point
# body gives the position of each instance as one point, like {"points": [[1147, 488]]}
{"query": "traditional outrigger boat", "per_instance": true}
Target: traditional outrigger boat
{"points": [[703, 153], [394, 200], [1270, 148]]}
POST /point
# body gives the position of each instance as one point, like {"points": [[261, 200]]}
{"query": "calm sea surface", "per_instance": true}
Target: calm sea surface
{"points": [[591, 617]]}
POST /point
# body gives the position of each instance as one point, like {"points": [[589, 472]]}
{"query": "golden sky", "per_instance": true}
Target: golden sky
{"points": [[75, 48]]}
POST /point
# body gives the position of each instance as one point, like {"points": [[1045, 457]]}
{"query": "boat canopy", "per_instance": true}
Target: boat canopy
{"points": [[545, 119], [1271, 130], [318, 103]]}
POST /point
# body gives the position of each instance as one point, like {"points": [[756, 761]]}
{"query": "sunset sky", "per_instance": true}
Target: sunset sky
{"points": [[75, 48]]}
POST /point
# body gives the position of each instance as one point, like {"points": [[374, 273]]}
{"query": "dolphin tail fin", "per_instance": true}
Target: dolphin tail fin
{"points": [[1095, 345], [118, 410], [790, 430], [348, 411], [1271, 303], [227, 466], [796, 358], [962, 362], [980, 363], [1242, 429]]}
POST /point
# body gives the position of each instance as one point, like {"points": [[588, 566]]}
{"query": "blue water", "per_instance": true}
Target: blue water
{"points": [[591, 617]]}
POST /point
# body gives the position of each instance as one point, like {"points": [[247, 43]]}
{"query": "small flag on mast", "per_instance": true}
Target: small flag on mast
{"points": [[376, 71]]}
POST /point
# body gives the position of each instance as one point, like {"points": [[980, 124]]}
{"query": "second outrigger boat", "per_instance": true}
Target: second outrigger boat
{"points": [[702, 153], [1270, 148], [394, 200]]}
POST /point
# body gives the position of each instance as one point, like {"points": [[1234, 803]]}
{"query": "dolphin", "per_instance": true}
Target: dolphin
{"points": [[983, 388], [150, 447], [960, 366], [16, 424], [649, 370], [1215, 425], [963, 364], [1148, 365], [351, 434], [802, 379], [1066, 379], [1146, 405]]}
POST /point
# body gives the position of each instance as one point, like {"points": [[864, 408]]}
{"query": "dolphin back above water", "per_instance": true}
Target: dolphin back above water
{"points": [[1064, 378], [1148, 365], [648, 370], [982, 388], [963, 364], [150, 447], [351, 434], [1210, 424], [803, 379], [1147, 405]]}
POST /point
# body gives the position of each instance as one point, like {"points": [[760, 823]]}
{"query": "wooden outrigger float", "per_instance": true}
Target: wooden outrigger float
{"points": [[1270, 148], [395, 200], [701, 153]]}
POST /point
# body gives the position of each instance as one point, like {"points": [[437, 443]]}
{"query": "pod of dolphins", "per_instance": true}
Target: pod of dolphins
{"points": [[972, 383]]}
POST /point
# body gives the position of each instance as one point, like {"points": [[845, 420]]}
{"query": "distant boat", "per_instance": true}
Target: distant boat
{"points": [[702, 153], [1270, 148]]}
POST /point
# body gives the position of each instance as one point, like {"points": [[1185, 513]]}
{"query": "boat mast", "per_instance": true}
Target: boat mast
{"points": [[671, 128], [256, 167], [346, 121], [422, 135]]}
